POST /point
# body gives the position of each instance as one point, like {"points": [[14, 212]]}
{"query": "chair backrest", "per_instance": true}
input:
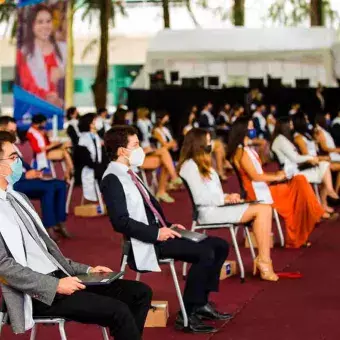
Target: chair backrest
{"points": [[243, 192], [276, 159], [193, 205]]}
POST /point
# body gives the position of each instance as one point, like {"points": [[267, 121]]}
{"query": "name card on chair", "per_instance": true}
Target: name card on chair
{"points": [[158, 314], [229, 269], [89, 210]]}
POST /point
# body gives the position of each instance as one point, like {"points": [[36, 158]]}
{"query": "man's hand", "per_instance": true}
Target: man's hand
{"points": [[179, 226], [166, 233], [100, 269], [69, 285], [33, 174]]}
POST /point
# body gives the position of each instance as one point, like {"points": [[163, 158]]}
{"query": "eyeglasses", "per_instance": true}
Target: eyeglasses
{"points": [[12, 158]]}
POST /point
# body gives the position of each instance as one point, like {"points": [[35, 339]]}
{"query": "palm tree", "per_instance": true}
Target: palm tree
{"points": [[317, 13], [8, 12], [238, 13], [166, 13]]}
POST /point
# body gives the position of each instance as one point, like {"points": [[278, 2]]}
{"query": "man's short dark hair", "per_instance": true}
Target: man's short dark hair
{"points": [[116, 138], [85, 121], [39, 118], [101, 110], [70, 111], [5, 120], [5, 137]]}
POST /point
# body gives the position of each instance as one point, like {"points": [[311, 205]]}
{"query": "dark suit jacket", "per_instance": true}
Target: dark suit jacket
{"points": [[115, 200]]}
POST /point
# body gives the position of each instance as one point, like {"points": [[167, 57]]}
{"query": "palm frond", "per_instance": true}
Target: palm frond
{"points": [[89, 47]]}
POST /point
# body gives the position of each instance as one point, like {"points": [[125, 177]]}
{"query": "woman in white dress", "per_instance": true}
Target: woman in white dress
{"points": [[284, 149], [307, 145], [205, 186]]}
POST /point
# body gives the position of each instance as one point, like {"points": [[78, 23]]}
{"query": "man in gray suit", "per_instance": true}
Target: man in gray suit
{"points": [[37, 280]]}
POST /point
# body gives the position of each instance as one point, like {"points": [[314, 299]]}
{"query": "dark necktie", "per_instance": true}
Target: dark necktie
{"points": [[95, 148], [19, 209], [146, 198]]}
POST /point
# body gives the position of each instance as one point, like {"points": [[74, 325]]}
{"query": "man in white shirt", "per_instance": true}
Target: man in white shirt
{"points": [[36, 279]]}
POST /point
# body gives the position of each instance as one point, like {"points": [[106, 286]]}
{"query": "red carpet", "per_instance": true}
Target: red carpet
{"points": [[290, 309]]}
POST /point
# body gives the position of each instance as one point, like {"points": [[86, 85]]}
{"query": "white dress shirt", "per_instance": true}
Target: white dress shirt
{"points": [[36, 259]]}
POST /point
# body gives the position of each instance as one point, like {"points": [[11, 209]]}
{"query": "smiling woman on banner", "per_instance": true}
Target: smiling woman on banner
{"points": [[41, 60]]}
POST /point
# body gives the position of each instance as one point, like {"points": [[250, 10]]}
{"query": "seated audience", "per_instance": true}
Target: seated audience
{"points": [[44, 282], [71, 126], [316, 172], [260, 122], [238, 111], [223, 117], [307, 145], [144, 126], [192, 120], [294, 200], [154, 159], [325, 139], [335, 129], [51, 193], [207, 120], [295, 108], [89, 156], [101, 122], [205, 186], [271, 119], [136, 214], [44, 150]]}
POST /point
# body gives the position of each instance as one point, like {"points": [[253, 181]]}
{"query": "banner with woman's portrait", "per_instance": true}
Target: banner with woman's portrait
{"points": [[41, 60]]}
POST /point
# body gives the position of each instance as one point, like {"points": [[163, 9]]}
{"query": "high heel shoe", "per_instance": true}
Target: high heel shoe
{"points": [[266, 270]]}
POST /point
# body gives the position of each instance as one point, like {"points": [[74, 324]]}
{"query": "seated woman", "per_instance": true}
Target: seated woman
{"points": [[154, 158], [89, 157], [46, 151], [325, 140], [195, 167], [318, 172], [192, 120], [307, 146], [71, 126], [295, 200]]}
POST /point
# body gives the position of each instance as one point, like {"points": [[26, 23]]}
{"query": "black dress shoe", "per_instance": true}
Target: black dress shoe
{"points": [[195, 325], [208, 312]]}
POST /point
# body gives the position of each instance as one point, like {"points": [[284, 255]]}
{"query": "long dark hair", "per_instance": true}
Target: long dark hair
{"points": [[320, 119], [159, 117], [238, 132], [282, 127], [193, 148], [300, 125], [29, 36]]}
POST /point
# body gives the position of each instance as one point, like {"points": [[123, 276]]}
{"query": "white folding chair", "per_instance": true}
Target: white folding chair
{"points": [[171, 263]]}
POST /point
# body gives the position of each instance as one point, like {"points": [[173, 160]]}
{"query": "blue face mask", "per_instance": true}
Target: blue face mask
{"points": [[252, 133], [328, 122], [17, 171]]}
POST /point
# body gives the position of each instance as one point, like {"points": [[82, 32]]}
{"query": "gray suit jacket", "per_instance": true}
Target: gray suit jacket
{"points": [[16, 280]]}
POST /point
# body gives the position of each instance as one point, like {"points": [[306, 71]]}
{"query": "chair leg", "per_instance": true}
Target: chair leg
{"points": [[179, 293], [138, 275], [63, 166], [62, 330], [317, 193], [154, 182], [105, 335], [33, 332], [100, 198], [54, 175], [251, 246], [237, 251], [279, 227], [3, 320], [69, 195]]}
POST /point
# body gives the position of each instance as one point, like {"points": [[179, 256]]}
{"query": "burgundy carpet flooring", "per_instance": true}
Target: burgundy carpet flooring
{"points": [[307, 308]]}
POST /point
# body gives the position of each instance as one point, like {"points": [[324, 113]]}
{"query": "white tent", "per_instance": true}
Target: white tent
{"points": [[237, 54]]}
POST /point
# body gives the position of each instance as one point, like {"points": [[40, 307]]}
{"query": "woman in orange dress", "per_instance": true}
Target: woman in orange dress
{"points": [[294, 200]]}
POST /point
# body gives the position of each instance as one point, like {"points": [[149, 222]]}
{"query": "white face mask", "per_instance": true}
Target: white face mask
{"points": [[136, 157]]}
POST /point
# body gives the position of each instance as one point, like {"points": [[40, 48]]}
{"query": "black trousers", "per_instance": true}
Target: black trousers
{"points": [[122, 306], [207, 258]]}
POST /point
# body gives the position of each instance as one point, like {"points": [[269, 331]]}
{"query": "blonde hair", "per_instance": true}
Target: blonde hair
{"points": [[142, 112]]}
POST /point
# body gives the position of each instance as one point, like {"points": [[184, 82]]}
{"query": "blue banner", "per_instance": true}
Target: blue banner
{"points": [[40, 61]]}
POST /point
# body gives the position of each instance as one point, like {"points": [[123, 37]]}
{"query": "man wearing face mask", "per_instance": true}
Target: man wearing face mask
{"points": [[52, 193], [136, 214], [37, 280]]}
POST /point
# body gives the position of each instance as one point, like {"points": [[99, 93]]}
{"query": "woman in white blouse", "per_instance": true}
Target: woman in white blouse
{"points": [[205, 186], [287, 155]]}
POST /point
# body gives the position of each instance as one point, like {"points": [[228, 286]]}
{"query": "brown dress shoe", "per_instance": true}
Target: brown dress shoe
{"points": [[51, 233], [62, 230]]}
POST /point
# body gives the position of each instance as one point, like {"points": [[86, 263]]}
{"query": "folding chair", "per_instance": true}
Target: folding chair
{"points": [[70, 193], [127, 249], [42, 320], [196, 225], [275, 214]]}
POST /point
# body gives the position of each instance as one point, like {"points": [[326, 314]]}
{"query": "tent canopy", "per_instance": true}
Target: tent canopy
{"points": [[266, 43]]}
